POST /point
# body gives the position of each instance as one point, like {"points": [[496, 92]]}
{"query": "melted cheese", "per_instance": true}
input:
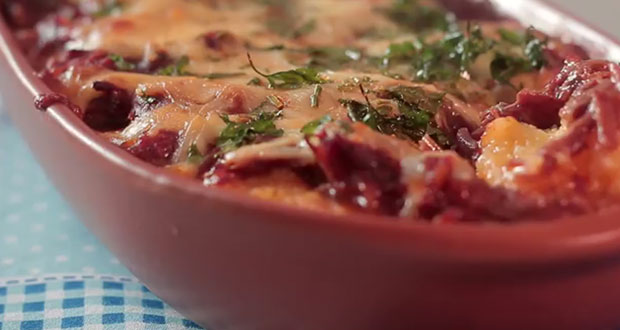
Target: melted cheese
{"points": [[509, 148], [514, 154], [145, 28]]}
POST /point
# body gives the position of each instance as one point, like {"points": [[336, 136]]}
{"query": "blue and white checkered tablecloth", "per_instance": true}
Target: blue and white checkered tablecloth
{"points": [[53, 273], [84, 302]]}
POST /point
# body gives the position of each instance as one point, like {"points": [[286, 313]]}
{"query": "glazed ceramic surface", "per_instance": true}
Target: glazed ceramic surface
{"points": [[231, 262]]}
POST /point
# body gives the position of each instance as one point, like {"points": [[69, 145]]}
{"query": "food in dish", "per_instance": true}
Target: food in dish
{"points": [[389, 107]]}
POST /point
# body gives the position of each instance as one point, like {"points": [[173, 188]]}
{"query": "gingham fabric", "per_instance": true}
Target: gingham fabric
{"points": [[84, 302], [40, 237]]}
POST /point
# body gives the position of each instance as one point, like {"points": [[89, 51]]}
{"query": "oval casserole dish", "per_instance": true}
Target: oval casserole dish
{"points": [[232, 262]]}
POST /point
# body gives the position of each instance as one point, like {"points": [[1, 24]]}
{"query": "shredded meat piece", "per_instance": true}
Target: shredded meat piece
{"points": [[593, 109], [446, 190], [466, 145], [222, 42], [534, 108], [541, 108], [109, 111], [27, 16], [357, 174], [157, 149], [85, 60], [447, 198]]}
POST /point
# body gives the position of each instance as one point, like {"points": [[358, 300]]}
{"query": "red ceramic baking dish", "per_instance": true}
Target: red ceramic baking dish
{"points": [[232, 262]]}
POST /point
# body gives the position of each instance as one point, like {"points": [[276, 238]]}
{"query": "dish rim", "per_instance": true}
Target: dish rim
{"points": [[595, 235]]}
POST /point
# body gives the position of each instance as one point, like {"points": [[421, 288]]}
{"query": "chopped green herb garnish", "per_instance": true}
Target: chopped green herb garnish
{"points": [[311, 127], [365, 113], [504, 67], [417, 109], [413, 99], [108, 8], [399, 52], [400, 126], [445, 59], [121, 63], [535, 49], [237, 134], [416, 17], [528, 57], [316, 94], [254, 82], [451, 56], [332, 57], [176, 69], [193, 155], [290, 79], [268, 48], [439, 137], [454, 54], [511, 37], [223, 75]]}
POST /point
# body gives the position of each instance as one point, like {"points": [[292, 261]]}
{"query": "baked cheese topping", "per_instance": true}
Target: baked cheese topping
{"points": [[391, 107]]}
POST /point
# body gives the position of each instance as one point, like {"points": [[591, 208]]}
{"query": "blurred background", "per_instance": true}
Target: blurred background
{"points": [[602, 13]]}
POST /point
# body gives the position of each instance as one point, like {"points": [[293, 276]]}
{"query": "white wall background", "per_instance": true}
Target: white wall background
{"points": [[601, 13]]}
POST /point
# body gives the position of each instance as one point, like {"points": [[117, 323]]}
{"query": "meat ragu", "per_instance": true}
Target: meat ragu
{"points": [[388, 107]]}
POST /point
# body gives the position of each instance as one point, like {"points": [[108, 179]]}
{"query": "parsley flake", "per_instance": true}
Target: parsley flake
{"points": [[258, 127], [332, 57], [311, 127], [451, 56], [121, 63], [528, 57], [417, 17], [291, 79], [417, 109], [194, 156], [108, 8], [254, 82], [441, 60], [179, 68]]}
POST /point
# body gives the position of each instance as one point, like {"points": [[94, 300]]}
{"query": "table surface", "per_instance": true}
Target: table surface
{"points": [[43, 245], [53, 273], [40, 234]]}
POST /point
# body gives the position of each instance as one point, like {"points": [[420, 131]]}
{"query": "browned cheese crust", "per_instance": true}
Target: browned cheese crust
{"points": [[390, 107]]}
